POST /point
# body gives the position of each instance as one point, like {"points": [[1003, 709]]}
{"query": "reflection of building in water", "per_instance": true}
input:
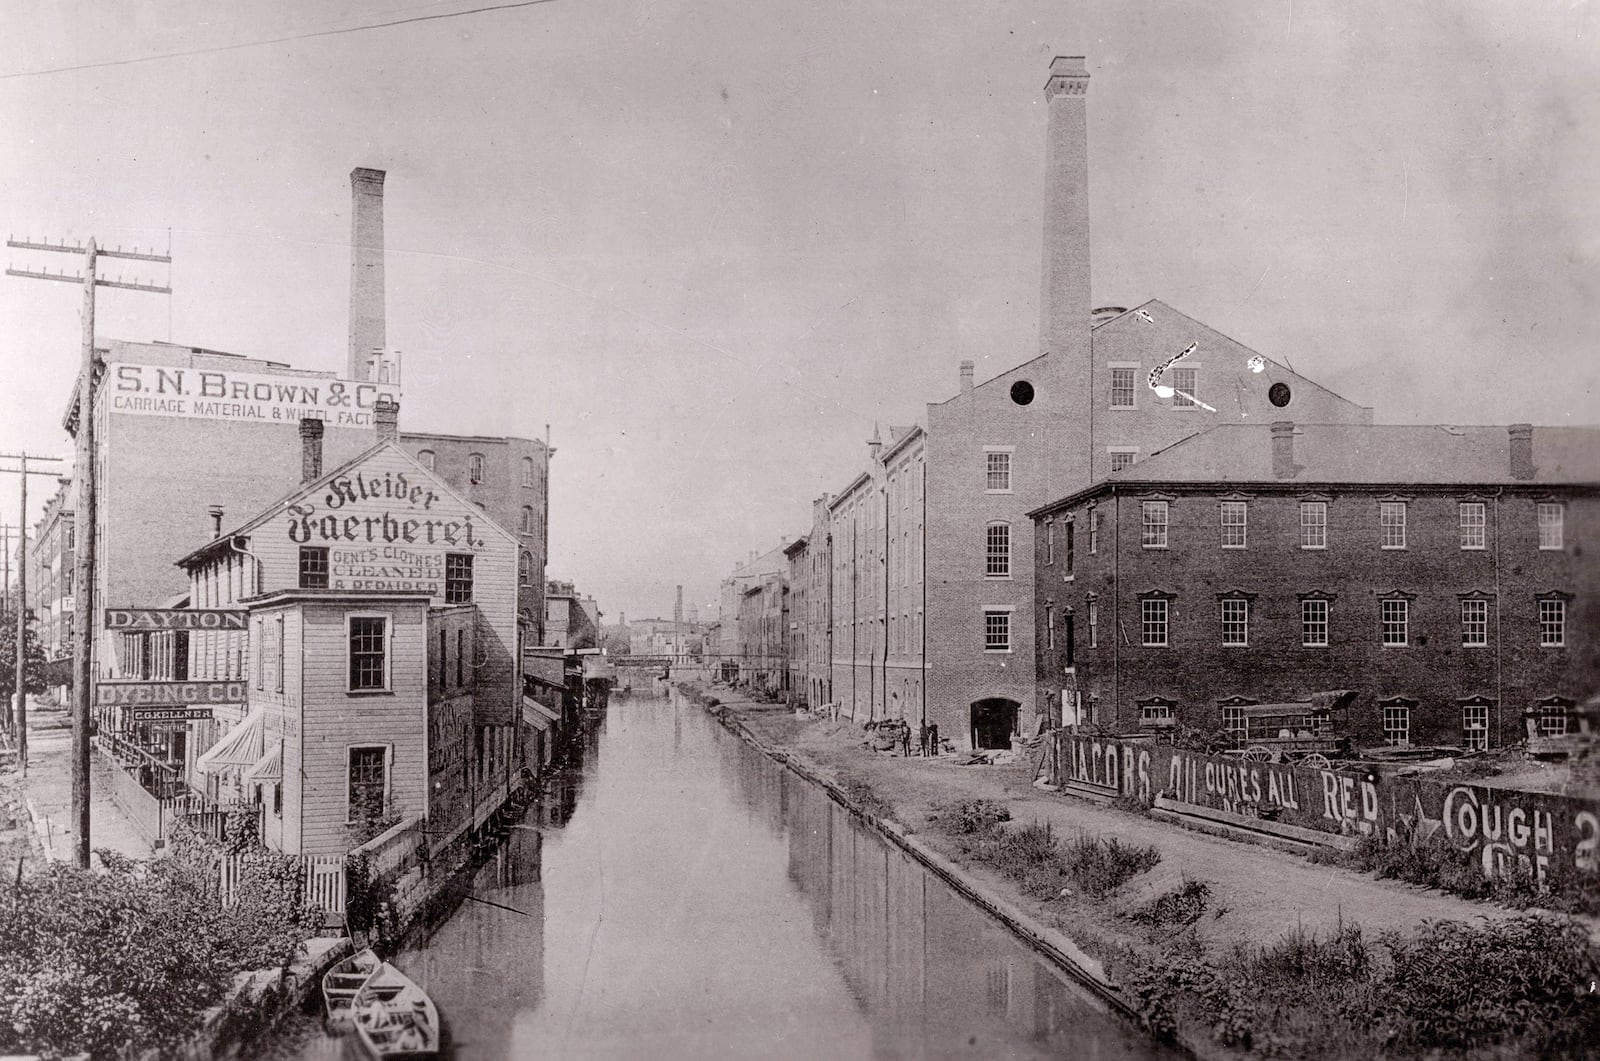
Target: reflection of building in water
{"points": [[929, 968], [485, 965]]}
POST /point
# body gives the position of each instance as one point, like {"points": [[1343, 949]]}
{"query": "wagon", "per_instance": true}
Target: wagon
{"points": [[1302, 732]]}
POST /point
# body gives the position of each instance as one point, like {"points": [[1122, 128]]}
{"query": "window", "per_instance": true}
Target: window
{"points": [[1552, 718], [1184, 388], [1094, 531], [368, 783], [1397, 724], [1122, 457], [1472, 525], [276, 628], [1049, 542], [996, 630], [525, 570], [458, 578], [1552, 622], [997, 551], [1233, 722], [426, 458], [277, 799], [1068, 529], [1234, 517], [1550, 529], [369, 653], [1314, 623], [1070, 640], [1122, 383], [997, 471], [1153, 616], [1049, 626], [1157, 713], [1392, 524], [1474, 623], [475, 468], [1235, 621], [461, 657], [529, 475], [1395, 617], [1094, 624], [313, 567], [1313, 524], [1153, 515], [527, 520], [1475, 727]]}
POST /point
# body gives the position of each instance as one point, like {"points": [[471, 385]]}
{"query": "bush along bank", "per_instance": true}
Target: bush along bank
{"points": [[1519, 988]]}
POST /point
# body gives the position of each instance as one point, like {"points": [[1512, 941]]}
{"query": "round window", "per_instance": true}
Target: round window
{"points": [[1279, 394], [1022, 392]]}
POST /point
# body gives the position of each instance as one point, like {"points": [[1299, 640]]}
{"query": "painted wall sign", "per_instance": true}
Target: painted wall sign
{"points": [[167, 694], [169, 714], [386, 567], [174, 619], [1504, 828], [222, 394]]}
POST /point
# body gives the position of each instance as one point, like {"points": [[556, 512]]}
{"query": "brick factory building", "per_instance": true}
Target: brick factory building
{"points": [[930, 612], [1444, 574]]}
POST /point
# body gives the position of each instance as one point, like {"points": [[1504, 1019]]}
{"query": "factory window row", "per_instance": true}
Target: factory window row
{"points": [[1234, 524]]}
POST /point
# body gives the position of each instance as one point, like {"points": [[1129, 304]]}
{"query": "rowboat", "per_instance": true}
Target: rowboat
{"points": [[394, 1017], [340, 984]]}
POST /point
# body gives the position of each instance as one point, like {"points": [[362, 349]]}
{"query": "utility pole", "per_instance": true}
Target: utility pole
{"points": [[84, 514], [20, 719]]}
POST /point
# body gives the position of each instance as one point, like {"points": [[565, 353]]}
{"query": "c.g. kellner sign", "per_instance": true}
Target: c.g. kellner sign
{"points": [[382, 532], [222, 394]]}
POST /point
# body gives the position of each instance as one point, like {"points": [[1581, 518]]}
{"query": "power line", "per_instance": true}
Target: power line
{"points": [[273, 40]]}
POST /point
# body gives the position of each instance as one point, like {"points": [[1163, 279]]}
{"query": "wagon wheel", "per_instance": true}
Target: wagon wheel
{"points": [[1316, 760], [1257, 754]]}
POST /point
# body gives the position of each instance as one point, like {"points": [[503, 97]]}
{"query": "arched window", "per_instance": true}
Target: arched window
{"points": [[997, 550], [426, 458], [475, 468], [527, 520], [525, 570], [528, 472]]}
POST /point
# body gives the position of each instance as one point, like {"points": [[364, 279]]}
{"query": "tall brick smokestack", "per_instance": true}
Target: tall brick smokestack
{"points": [[366, 269], [1064, 307]]}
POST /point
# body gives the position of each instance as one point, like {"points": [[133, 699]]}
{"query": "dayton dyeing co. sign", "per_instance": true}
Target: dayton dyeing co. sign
{"points": [[222, 394], [382, 531]]}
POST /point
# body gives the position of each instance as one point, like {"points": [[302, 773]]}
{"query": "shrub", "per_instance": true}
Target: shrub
{"points": [[969, 816], [1183, 905], [1031, 856], [1102, 866]]}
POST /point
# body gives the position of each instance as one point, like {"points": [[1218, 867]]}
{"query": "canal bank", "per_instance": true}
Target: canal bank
{"points": [[1207, 909]]}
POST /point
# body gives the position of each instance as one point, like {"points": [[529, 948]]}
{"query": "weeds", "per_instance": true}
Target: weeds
{"points": [[1184, 905], [1102, 866], [1449, 869], [1043, 867], [865, 797], [969, 816]]}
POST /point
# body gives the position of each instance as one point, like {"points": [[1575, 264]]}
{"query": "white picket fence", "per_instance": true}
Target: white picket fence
{"points": [[324, 881]]}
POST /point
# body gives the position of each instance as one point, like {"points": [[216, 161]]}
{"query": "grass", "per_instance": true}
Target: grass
{"points": [[1041, 865], [1517, 988], [865, 797], [1440, 866], [969, 816]]}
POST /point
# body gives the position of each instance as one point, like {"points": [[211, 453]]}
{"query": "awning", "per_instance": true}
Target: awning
{"points": [[537, 679], [536, 720], [242, 746], [530, 703], [268, 769]]}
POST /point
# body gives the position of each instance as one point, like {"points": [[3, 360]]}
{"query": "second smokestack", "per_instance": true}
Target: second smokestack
{"points": [[366, 269]]}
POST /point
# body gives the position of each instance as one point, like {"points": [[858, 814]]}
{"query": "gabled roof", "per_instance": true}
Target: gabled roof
{"points": [[305, 489]]}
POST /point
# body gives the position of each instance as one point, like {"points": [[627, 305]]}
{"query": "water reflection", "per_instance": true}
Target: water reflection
{"points": [[681, 896]]}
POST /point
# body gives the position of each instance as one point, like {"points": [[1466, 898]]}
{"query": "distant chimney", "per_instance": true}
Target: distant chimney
{"points": [[1283, 449], [310, 449], [1521, 450], [386, 415], [966, 377], [366, 269], [215, 512]]}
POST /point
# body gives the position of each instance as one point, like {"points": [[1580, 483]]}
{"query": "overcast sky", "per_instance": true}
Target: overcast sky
{"points": [[711, 242]]}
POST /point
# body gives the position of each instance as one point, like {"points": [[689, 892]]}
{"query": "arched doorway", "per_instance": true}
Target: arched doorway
{"points": [[994, 720]]}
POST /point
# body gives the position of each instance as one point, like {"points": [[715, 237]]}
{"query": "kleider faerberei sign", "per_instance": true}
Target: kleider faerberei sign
{"points": [[141, 619]]}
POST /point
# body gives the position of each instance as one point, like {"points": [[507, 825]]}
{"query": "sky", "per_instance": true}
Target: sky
{"points": [[711, 243]]}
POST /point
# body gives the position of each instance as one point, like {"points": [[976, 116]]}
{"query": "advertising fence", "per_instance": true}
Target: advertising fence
{"points": [[1506, 829]]}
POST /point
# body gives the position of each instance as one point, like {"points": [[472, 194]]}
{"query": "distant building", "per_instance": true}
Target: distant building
{"points": [[51, 557], [763, 635], [1444, 574], [730, 645], [572, 621], [797, 656]]}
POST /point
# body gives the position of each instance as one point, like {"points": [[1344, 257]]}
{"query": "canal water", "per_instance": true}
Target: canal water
{"points": [[681, 896]]}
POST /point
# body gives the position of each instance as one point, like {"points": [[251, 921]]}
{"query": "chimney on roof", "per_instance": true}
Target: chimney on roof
{"points": [[215, 512], [386, 415], [1283, 466], [310, 449], [366, 269], [966, 377], [875, 443], [1521, 436]]}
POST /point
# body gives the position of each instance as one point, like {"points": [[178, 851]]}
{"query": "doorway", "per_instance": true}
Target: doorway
{"points": [[994, 720]]}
